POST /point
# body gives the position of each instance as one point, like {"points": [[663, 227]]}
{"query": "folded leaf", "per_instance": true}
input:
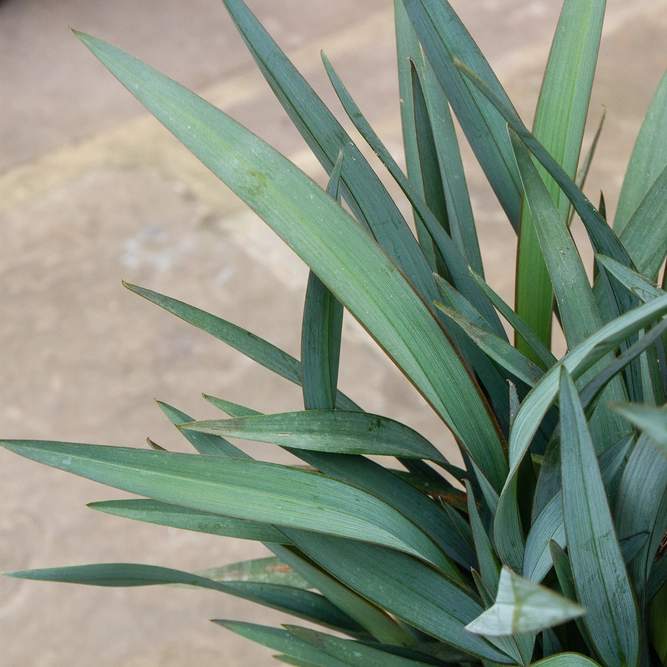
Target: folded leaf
{"points": [[523, 606]]}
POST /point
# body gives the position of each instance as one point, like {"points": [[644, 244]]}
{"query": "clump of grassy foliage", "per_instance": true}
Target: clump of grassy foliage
{"points": [[548, 544]]}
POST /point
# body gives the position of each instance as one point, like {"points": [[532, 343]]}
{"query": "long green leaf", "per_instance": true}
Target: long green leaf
{"points": [[451, 533], [455, 260], [185, 518], [321, 330], [259, 570], [444, 39], [579, 360], [352, 653], [295, 601], [364, 191], [489, 566], [405, 587], [523, 606], [459, 209], [252, 346], [497, 349], [334, 431], [560, 118], [648, 159], [345, 258], [242, 488], [204, 443], [645, 234], [651, 420], [602, 237], [600, 575], [283, 641], [376, 621]]}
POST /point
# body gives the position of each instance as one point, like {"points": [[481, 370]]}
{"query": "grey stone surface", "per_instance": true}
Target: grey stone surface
{"points": [[93, 191]]}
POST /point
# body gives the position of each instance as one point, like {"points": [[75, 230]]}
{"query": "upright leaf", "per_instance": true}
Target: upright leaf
{"points": [[600, 575], [559, 124], [363, 190], [648, 159], [345, 258], [444, 39]]}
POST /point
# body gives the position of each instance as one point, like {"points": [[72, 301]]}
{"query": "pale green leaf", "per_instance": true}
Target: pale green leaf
{"points": [[331, 242], [241, 488], [334, 431], [523, 606]]}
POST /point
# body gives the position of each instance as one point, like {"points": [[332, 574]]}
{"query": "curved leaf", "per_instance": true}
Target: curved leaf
{"points": [[523, 606], [331, 242], [332, 431], [241, 488]]}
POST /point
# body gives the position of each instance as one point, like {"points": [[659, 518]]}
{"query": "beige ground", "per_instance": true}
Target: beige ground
{"points": [[93, 191]]}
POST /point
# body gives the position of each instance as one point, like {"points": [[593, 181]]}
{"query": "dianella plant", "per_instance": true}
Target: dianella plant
{"points": [[546, 545]]}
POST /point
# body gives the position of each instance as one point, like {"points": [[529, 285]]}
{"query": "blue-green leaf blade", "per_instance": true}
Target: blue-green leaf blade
{"points": [[600, 574], [334, 431], [242, 488], [185, 518], [345, 258]]}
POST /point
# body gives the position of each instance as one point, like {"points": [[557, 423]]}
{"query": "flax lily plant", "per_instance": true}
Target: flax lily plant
{"points": [[546, 546]]}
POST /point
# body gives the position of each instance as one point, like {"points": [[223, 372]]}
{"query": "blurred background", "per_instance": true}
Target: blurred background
{"points": [[92, 191]]}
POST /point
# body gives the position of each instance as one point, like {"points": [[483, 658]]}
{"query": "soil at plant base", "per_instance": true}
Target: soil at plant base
{"points": [[93, 191]]}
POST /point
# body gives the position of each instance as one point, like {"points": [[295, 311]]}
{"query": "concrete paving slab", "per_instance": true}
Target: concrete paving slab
{"points": [[93, 191]]}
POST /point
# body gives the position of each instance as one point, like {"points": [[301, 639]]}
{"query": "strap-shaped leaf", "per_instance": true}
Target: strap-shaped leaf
{"points": [[234, 410], [345, 258], [450, 532], [600, 575], [252, 346], [295, 601], [645, 234], [446, 529], [602, 237], [499, 350], [459, 210], [583, 357], [334, 431], [444, 39], [542, 354], [204, 443], [352, 653], [523, 606], [560, 118], [283, 641], [456, 262], [242, 488], [259, 570], [417, 594], [363, 190], [377, 622], [321, 330], [185, 518], [650, 419], [648, 159], [488, 561]]}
